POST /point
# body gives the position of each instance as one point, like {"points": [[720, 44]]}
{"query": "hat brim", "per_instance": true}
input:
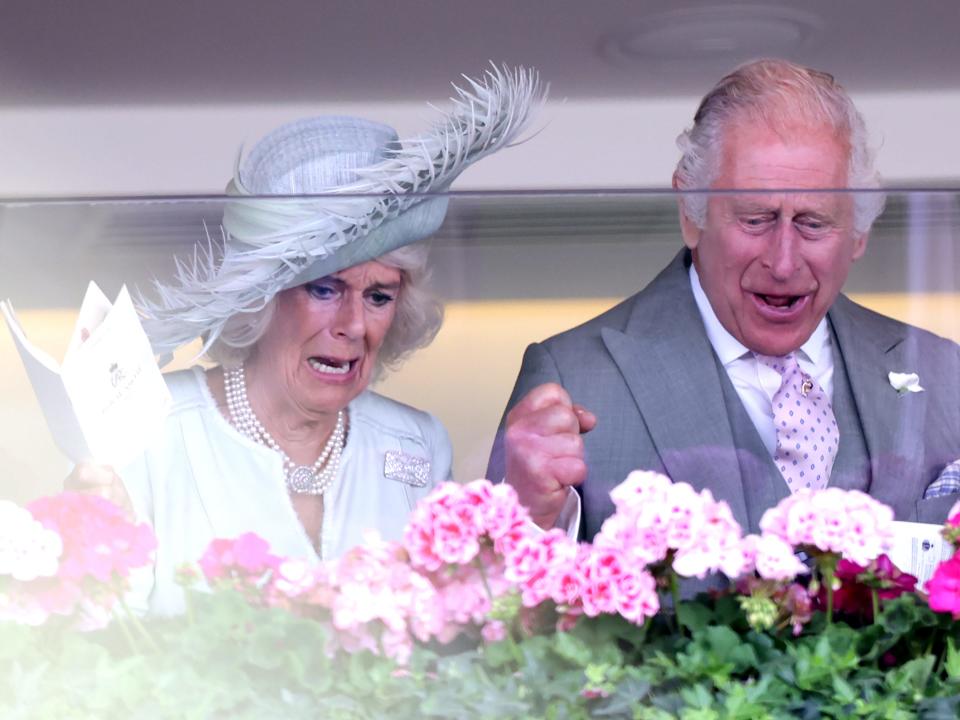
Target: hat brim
{"points": [[275, 245], [415, 224]]}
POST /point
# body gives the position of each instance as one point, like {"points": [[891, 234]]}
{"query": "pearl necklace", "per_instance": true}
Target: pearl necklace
{"points": [[303, 479]]}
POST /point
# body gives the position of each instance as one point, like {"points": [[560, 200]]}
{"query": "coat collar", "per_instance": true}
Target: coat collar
{"points": [[681, 402], [870, 346]]}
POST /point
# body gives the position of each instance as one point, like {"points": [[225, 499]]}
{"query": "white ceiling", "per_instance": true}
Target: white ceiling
{"points": [[144, 52]]}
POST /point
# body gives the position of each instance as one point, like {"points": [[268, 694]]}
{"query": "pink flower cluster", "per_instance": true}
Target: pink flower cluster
{"points": [[846, 522], [97, 547], [381, 603], [610, 584], [450, 525], [943, 589], [460, 537], [374, 597], [477, 545], [544, 566], [656, 518], [243, 561], [772, 557]]}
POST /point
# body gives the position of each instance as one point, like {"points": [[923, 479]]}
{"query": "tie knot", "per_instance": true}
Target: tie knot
{"points": [[783, 364]]}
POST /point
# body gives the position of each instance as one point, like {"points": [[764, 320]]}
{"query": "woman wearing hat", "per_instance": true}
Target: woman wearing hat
{"points": [[311, 299]]}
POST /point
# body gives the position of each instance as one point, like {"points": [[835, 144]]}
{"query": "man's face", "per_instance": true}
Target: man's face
{"points": [[772, 264]]}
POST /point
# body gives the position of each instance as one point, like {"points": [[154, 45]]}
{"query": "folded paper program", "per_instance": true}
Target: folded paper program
{"points": [[106, 399]]}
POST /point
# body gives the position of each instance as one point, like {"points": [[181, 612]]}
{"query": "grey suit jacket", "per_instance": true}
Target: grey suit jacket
{"points": [[648, 371]]}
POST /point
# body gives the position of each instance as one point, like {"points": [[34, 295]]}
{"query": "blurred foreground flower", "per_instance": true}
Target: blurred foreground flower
{"points": [[82, 549]]}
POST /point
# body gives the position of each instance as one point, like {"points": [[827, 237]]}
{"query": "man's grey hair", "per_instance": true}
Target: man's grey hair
{"points": [[780, 94], [418, 317]]}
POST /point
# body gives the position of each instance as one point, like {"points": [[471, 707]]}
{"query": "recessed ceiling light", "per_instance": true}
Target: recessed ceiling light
{"points": [[720, 32]]}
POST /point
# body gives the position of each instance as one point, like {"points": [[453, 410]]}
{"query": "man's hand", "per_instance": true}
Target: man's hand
{"points": [[101, 480], [544, 450]]}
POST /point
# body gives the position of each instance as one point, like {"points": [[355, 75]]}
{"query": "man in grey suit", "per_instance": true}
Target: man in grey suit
{"points": [[689, 376]]}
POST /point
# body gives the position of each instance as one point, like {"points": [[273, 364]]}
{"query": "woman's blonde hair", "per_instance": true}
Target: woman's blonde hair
{"points": [[418, 318]]}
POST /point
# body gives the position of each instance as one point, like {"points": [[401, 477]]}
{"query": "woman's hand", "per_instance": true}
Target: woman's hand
{"points": [[101, 480]]}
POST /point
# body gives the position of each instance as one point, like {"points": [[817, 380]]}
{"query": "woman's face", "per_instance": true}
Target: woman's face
{"points": [[324, 338]]}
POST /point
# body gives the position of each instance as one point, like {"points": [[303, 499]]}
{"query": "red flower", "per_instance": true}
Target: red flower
{"points": [[855, 596]]}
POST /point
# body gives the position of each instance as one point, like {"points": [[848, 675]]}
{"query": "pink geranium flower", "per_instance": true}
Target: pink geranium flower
{"points": [[98, 548], [494, 631], [845, 522], [536, 564], [240, 559], [99, 542], [943, 588], [444, 528], [656, 516], [773, 558]]}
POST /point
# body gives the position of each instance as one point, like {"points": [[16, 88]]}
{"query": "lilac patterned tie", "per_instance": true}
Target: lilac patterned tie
{"points": [[807, 437]]}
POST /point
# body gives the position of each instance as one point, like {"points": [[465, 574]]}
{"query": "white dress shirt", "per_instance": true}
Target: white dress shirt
{"points": [[754, 382]]}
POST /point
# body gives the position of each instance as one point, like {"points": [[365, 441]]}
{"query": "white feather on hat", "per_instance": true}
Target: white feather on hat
{"points": [[373, 196]]}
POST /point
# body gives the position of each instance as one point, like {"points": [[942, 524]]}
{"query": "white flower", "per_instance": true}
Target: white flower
{"points": [[294, 577], [28, 550], [905, 383]]}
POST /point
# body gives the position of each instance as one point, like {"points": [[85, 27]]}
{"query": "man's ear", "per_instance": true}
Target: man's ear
{"points": [[688, 228], [860, 245]]}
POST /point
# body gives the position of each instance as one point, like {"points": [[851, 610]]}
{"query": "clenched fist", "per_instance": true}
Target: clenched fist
{"points": [[544, 450]]}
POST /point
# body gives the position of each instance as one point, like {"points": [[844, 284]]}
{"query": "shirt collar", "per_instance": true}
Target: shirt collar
{"points": [[728, 348]]}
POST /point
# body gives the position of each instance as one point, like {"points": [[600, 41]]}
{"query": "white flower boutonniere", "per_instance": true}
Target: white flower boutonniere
{"points": [[905, 383]]}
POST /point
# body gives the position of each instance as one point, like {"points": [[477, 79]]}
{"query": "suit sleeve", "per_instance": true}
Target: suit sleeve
{"points": [[538, 367]]}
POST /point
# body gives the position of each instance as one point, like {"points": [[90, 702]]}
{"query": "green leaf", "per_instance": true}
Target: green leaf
{"points": [[722, 640], [911, 677], [844, 692], [952, 662], [501, 654], [695, 616], [572, 649]]}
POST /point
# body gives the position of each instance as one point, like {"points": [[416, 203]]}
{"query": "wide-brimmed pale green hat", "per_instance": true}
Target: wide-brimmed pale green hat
{"points": [[369, 193]]}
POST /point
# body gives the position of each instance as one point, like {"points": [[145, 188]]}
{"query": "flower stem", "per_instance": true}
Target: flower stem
{"points": [[128, 635], [141, 630], [188, 604], [483, 578], [828, 581], [642, 638], [875, 597], [675, 594]]}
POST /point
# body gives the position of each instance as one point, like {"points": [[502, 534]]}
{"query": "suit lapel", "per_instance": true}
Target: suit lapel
{"points": [[668, 364], [870, 349]]}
